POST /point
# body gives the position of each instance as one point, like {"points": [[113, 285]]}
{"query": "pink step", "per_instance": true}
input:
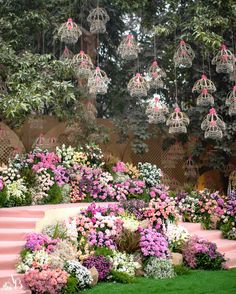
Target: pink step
{"points": [[8, 261], [14, 234], [19, 212], [19, 222], [232, 259], [208, 234], [191, 227], [224, 245], [11, 247]]}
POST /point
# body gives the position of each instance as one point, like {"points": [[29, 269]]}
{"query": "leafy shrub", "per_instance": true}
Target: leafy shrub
{"points": [[104, 251], [121, 277], [159, 268], [181, 270], [71, 286], [54, 195]]}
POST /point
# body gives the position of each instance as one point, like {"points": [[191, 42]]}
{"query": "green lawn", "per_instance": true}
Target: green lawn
{"points": [[196, 282]]}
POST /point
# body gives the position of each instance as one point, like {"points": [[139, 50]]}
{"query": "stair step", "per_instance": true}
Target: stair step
{"points": [[21, 222], [232, 259], [14, 234], [16, 212], [208, 234], [191, 227], [7, 278], [11, 247], [8, 261], [224, 245]]}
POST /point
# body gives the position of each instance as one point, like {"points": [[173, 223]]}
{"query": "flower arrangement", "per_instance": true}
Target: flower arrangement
{"points": [[125, 263], [43, 279], [37, 241], [177, 236], [101, 263], [150, 173], [81, 273], [202, 254], [32, 260], [159, 269], [153, 243], [135, 207]]}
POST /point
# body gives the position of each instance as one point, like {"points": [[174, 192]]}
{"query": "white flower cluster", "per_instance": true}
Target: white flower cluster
{"points": [[177, 236], [159, 268], [150, 173], [66, 155], [44, 181], [130, 223], [81, 273], [17, 189], [71, 229], [37, 196], [40, 256], [10, 175], [187, 207], [125, 263]]}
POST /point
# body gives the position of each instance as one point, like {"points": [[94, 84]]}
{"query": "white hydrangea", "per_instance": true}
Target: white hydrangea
{"points": [[81, 273], [66, 155], [177, 236], [150, 173], [16, 189], [40, 256], [130, 224]]}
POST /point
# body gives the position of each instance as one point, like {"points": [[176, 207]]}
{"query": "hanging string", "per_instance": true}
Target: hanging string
{"points": [[203, 61], [155, 49], [209, 65], [98, 42], [81, 24], [176, 86]]}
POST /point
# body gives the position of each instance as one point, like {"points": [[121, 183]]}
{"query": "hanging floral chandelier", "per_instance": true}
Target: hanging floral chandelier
{"points": [[128, 48], [155, 75], [177, 122], [231, 101], [83, 64], [97, 19], [66, 55], [98, 82], [69, 32], [213, 126], [138, 86], [184, 55], [224, 60], [232, 75], [156, 110], [190, 168], [205, 87]]}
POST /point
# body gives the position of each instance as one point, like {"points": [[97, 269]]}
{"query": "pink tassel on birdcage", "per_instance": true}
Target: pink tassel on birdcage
{"points": [[156, 110], [66, 55], [184, 55], [213, 125], [204, 83], [155, 75], [138, 86], [98, 82], [98, 18], [224, 60], [69, 32], [231, 101], [128, 48], [83, 64], [177, 122]]}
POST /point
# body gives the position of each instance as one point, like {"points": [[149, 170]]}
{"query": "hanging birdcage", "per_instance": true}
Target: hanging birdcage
{"points": [[224, 60], [138, 86], [213, 126], [155, 75], [231, 101], [177, 122], [156, 110], [83, 64], [69, 32], [67, 55], [184, 55], [176, 151], [97, 19], [98, 82], [3, 87], [128, 48], [190, 169], [204, 83], [205, 98], [232, 75]]}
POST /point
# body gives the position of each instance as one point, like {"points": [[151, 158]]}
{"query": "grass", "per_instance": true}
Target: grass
{"points": [[196, 282]]}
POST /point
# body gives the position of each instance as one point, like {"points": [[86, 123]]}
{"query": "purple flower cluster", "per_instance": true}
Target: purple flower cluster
{"points": [[101, 239], [231, 205], [102, 265], [111, 209], [61, 176], [159, 191], [197, 246], [135, 207], [153, 243], [37, 241]]}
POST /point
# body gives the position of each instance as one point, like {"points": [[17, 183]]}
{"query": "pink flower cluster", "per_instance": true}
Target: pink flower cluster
{"points": [[120, 167], [153, 243], [46, 280], [43, 160], [1, 184], [37, 241], [160, 211]]}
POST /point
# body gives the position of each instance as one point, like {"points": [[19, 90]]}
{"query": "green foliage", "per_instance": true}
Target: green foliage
{"points": [[3, 197], [24, 252], [204, 261], [121, 277], [181, 270], [226, 227], [103, 251], [6, 201], [54, 195], [71, 286], [29, 176]]}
